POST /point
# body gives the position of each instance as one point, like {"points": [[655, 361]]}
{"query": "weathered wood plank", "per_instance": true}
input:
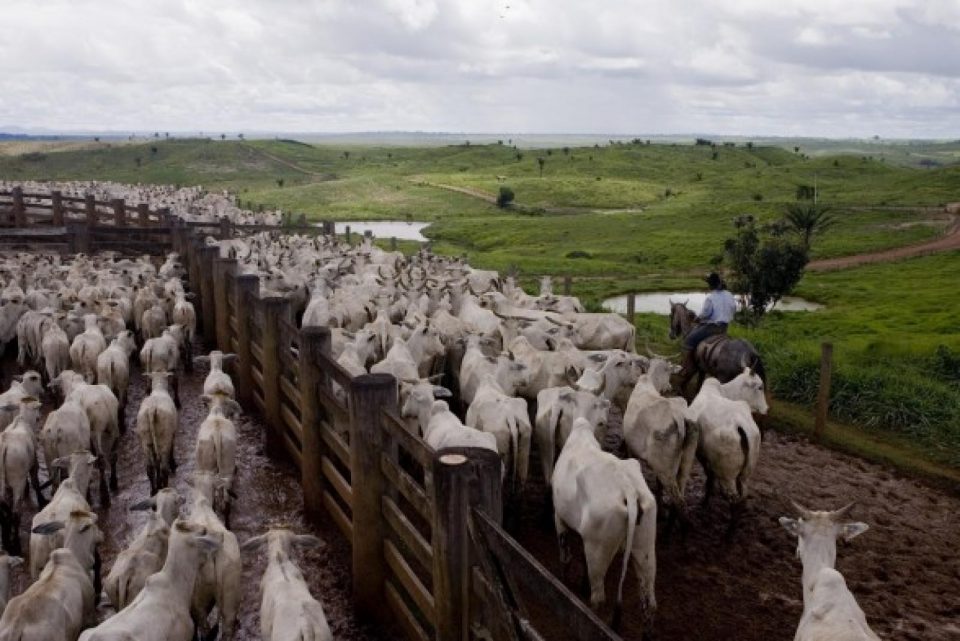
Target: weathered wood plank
{"points": [[407, 533], [408, 621], [339, 516], [409, 581], [397, 428], [336, 443], [408, 486], [336, 479]]}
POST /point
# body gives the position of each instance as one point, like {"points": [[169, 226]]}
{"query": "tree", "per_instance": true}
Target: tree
{"points": [[566, 151], [749, 145], [763, 270], [138, 160], [806, 192], [154, 150], [519, 156], [541, 161], [279, 182], [346, 155], [223, 136], [505, 197], [808, 220]]}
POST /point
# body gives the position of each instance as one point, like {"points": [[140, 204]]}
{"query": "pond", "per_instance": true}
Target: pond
{"points": [[401, 230], [659, 303]]}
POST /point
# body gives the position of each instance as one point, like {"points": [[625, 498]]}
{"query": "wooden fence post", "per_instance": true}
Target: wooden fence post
{"points": [[462, 478], [56, 207], [393, 243], [119, 212], [313, 342], [90, 209], [245, 286], [631, 306], [143, 214], [823, 393], [369, 393], [347, 231], [226, 228], [274, 307], [567, 285], [193, 264], [207, 255], [19, 212], [165, 217], [223, 269]]}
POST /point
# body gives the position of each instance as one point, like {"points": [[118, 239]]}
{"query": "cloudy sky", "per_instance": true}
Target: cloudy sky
{"points": [[769, 67]]}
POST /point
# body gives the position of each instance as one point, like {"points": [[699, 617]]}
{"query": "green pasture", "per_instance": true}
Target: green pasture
{"points": [[637, 217]]}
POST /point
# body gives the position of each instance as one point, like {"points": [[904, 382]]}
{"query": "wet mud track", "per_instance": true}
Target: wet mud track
{"points": [[268, 494]]}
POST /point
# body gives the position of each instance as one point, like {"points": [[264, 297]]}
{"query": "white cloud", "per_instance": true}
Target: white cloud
{"points": [[819, 67]]}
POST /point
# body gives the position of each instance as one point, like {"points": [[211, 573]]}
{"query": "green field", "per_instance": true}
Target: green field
{"points": [[641, 218]]}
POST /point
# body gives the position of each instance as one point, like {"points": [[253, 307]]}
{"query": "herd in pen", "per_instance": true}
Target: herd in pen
{"points": [[478, 362]]}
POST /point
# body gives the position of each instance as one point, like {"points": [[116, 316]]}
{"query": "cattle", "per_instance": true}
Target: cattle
{"points": [[317, 313], [70, 497], [102, 410], [218, 582], [830, 610], [62, 602], [28, 385], [185, 316], [87, 347], [113, 367], [216, 448], [55, 351], [398, 362], [546, 369], [607, 502], [494, 412], [425, 347], [602, 331], [7, 563], [747, 387], [145, 553], [287, 609], [18, 467], [154, 321], [557, 409], [30, 330], [161, 611], [729, 445], [157, 422], [418, 402], [660, 432], [217, 380], [511, 374], [444, 430], [162, 354]]}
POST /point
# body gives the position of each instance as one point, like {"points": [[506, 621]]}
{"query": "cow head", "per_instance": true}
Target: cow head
{"points": [[748, 386], [817, 532]]}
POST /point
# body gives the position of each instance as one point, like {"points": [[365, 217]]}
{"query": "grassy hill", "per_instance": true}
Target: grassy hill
{"points": [[638, 217]]}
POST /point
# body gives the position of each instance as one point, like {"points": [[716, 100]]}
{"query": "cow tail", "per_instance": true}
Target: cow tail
{"points": [[112, 376], [3, 468], [514, 452], [745, 449], [153, 438], [632, 511]]}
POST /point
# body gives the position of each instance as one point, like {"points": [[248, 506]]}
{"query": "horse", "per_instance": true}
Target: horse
{"points": [[719, 356]]}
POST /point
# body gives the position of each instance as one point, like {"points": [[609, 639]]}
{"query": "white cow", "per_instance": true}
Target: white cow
{"points": [[55, 348], [28, 385], [157, 422], [113, 366], [87, 347], [557, 409], [18, 467], [607, 502], [494, 412], [161, 612], [216, 448], [62, 602], [830, 610], [444, 429], [217, 380], [660, 431], [729, 446], [288, 612]]}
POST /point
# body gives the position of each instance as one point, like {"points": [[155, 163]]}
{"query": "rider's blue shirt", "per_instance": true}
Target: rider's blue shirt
{"points": [[719, 307]]}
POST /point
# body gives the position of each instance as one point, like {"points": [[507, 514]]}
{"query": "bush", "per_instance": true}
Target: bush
{"points": [[505, 197], [577, 253]]}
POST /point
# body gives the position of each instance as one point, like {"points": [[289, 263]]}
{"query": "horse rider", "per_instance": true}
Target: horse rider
{"points": [[717, 312]]}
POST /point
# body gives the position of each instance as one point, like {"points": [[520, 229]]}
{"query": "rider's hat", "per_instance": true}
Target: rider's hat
{"points": [[714, 280]]}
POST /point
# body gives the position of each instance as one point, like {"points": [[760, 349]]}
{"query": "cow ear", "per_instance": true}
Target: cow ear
{"points": [[850, 531], [144, 505], [48, 528], [441, 392], [790, 525]]}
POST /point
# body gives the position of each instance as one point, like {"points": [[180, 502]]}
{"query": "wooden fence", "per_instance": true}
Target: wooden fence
{"points": [[429, 554], [50, 220]]}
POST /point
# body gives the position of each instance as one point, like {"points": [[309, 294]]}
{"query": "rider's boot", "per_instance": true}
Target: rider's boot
{"points": [[687, 369]]}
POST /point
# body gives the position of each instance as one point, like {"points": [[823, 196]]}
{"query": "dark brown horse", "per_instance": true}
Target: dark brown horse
{"points": [[719, 356]]}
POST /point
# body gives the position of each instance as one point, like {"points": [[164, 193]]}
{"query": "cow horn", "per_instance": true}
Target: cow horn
{"points": [[804, 512], [839, 515]]}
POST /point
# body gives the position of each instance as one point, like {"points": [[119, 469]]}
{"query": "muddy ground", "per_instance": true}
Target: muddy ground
{"points": [[905, 571]]}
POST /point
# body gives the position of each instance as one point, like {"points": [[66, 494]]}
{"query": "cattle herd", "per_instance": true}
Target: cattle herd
{"points": [[479, 363]]}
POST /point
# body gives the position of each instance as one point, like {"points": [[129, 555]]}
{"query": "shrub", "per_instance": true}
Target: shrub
{"points": [[578, 253], [505, 197]]}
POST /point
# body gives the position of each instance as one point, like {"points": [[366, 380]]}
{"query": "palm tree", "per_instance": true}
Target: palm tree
{"points": [[808, 220]]}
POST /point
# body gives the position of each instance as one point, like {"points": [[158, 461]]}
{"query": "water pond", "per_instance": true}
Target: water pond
{"points": [[659, 303], [401, 230]]}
